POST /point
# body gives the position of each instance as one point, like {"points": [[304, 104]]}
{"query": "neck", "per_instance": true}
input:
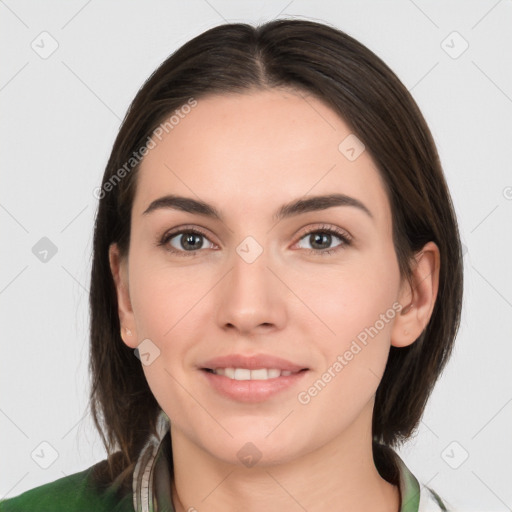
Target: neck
{"points": [[340, 475]]}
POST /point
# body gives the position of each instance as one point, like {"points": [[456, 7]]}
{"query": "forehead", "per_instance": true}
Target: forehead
{"points": [[250, 153]]}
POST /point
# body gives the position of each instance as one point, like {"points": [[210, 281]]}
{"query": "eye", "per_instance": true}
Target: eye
{"points": [[321, 237], [185, 242], [188, 241]]}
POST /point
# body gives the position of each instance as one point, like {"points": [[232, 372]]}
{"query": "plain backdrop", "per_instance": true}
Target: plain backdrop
{"points": [[68, 72]]}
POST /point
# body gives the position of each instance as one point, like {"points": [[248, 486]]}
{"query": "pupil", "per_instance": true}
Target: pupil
{"points": [[189, 241], [317, 238]]}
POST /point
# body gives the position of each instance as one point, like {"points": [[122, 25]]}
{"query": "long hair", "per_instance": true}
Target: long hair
{"points": [[323, 61]]}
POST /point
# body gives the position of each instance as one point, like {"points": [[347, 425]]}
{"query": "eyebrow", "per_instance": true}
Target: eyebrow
{"points": [[291, 209]]}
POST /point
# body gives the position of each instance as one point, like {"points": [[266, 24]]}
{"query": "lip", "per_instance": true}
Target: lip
{"points": [[251, 391], [253, 362]]}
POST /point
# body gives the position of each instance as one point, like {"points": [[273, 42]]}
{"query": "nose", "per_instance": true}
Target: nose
{"points": [[252, 299]]}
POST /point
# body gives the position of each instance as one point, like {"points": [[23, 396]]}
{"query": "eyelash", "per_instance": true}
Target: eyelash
{"points": [[345, 238]]}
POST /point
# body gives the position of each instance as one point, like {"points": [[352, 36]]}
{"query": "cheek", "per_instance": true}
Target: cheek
{"points": [[346, 299], [355, 356], [167, 303], [162, 296], [354, 314], [163, 302]]}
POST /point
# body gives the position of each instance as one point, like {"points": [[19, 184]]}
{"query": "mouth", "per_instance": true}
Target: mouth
{"points": [[252, 378], [244, 385], [252, 374]]}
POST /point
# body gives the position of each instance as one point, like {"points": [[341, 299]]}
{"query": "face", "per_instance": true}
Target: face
{"points": [[317, 287]]}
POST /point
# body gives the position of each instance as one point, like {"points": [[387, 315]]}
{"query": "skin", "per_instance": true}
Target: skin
{"points": [[247, 155]]}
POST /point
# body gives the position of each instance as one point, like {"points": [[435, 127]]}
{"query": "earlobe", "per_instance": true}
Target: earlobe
{"points": [[118, 267], [418, 297]]}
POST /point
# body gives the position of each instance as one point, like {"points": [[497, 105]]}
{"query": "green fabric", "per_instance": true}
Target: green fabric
{"points": [[73, 493], [409, 488]]}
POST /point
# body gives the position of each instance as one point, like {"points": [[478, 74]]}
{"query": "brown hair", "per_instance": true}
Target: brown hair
{"points": [[323, 61]]}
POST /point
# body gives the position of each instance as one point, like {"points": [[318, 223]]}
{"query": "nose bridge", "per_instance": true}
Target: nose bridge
{"points": [[250, 272], [251, 295]]}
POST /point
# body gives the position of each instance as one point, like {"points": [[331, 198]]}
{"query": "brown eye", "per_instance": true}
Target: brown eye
{"points": [[185, 241], [321, 239]]}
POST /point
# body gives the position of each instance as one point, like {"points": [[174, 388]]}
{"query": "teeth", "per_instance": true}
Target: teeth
{"points": [[246, 374], [242, 374]]}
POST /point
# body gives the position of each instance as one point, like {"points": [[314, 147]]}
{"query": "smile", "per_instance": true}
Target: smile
{"points": [[246, 374]]}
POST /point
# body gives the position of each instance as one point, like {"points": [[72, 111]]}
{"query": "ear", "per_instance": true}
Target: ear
{"points": [[418, 300], [119, 269]]}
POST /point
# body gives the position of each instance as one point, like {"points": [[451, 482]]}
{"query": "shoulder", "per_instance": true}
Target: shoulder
{"points": [[78, 492]]}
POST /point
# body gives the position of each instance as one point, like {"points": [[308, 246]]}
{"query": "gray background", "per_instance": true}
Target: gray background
{"points": [[60, 114]]}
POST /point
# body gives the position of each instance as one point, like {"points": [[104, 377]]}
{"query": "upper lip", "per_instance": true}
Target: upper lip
{"points": [[253, 362]]}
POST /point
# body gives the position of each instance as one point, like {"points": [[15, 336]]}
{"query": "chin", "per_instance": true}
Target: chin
{"points": [[251, 450]]}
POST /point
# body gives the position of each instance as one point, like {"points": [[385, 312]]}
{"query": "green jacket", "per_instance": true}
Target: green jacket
{"points": [[151, 491]]}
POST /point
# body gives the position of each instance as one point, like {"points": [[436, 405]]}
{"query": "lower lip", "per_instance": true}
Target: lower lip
{"points": [[252, 390]]}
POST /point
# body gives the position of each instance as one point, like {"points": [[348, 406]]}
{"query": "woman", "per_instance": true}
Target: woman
{"points": [[276, 283]]}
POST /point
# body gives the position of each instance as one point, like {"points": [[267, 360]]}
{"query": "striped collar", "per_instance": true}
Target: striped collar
{"points": [[152, 478]]}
